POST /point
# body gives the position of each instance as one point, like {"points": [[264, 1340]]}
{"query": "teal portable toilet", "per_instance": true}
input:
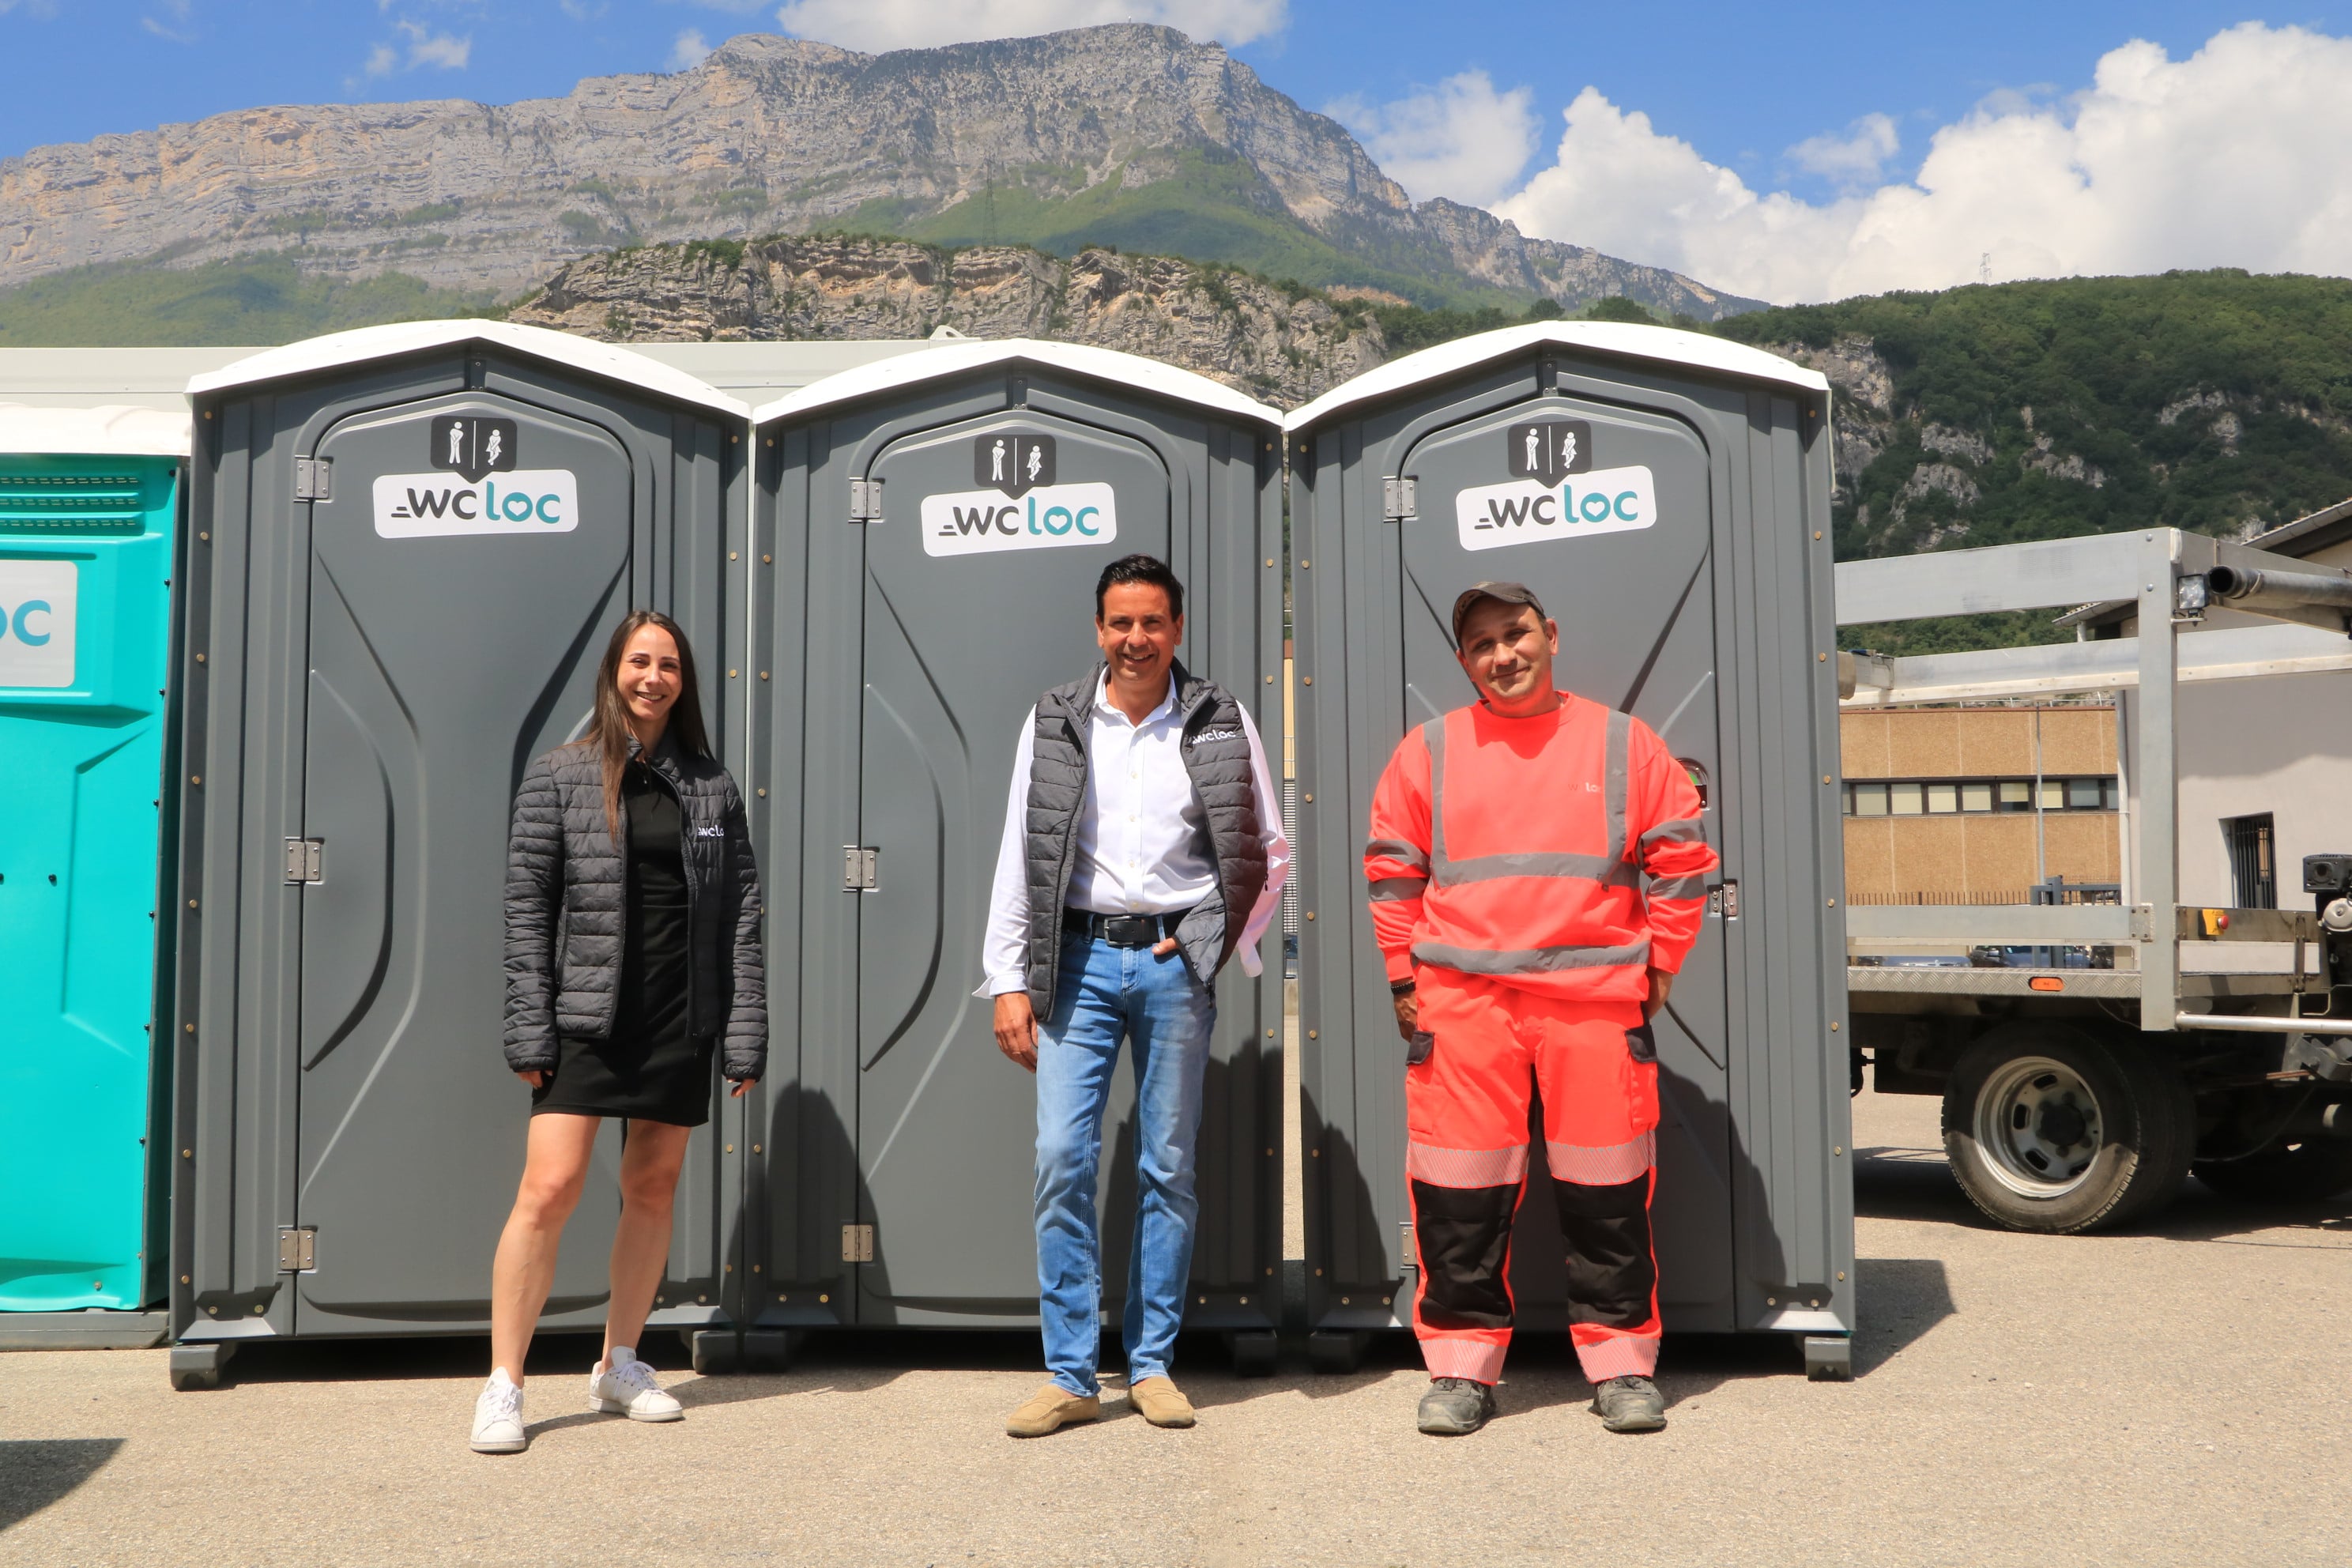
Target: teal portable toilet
{"points": [[90, 505]]}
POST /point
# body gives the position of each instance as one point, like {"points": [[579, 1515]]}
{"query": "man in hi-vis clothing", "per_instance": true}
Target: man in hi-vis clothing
{"points": [[1538, 873]]}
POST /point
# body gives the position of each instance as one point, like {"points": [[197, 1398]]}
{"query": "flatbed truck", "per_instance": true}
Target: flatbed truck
{"points": [[2210, 1040]]}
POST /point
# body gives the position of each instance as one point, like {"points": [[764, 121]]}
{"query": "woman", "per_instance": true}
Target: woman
{"points": [[632, 956]]}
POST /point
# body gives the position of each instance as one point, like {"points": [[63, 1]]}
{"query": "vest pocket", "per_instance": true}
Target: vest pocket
{"points": [[1642, 1042], [1417, 1049]]}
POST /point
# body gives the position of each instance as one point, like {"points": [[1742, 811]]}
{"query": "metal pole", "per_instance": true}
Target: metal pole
{"points": [[2159, 962], [2040, 831]]}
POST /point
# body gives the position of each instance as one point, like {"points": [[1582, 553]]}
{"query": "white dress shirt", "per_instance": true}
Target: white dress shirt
{"points": [[1142, 835]]}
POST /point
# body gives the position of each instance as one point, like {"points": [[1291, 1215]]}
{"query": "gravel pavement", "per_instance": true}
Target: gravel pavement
{"points": [[2171, 1396]]}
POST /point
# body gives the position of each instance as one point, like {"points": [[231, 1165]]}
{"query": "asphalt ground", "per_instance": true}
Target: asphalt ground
{"points": [[2175, 1395]]}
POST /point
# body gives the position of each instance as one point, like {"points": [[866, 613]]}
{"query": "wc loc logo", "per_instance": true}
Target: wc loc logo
{"points": [[1012, 461], [1550, 449], [37, 603], [473, 445], [1017, 466], [1554, 491]]}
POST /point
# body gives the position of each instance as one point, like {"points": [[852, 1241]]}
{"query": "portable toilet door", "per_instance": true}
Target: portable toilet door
{"points": [[89, 518], [1667, 496], [414, 542], [938, 523]]}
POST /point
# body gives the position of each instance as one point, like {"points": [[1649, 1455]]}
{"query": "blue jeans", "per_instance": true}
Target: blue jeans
{"points": [[1105, 993]]}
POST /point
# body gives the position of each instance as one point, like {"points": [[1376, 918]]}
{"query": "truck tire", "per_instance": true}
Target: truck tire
{"points": [[2309, 1172], [2050, 1130]]}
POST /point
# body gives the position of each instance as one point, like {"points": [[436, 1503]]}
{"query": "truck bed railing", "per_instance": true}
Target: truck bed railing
{"points": [[2170, 578]]}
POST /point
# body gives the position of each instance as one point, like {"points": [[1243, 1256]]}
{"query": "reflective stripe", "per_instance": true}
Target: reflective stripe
{"points": [[1681, 827], [1452, 1356], [1530, 960], [1610, 870], [1467, 1168], [1432, 735], [1677, 888], [1619, 1355], [1489, 867], [1605, 1166], [1396, 849], [1612, 781], [1398, 889]]}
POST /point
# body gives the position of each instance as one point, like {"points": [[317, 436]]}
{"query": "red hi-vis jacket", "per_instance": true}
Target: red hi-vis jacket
{"points": [[1560, 854]]}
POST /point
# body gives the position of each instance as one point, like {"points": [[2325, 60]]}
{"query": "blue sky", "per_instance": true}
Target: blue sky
{"points": [[1822, 110]]}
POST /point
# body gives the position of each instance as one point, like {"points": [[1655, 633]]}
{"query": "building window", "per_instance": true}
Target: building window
{"points": [[1945, 797], [2252, 865]]}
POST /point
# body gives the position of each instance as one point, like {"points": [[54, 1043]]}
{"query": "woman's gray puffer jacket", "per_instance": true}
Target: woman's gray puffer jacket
{"points": [[567, 885]]}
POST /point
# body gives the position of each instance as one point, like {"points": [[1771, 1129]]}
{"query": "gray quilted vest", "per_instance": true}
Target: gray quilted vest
{"points": [[1216, 755]]}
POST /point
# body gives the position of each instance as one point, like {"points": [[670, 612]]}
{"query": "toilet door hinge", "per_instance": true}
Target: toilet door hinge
{"points": [[306, 860], [858, 1244], [866, 500], [314, 478], [1397, 499], [861, 868], [1406, 1248], [297, 1248]]}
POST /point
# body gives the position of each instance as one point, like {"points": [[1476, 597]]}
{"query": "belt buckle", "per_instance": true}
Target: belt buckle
{"points": [[1131, 930]]}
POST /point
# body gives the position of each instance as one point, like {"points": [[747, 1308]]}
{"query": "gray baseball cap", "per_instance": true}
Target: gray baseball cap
{"points": [[1505, 592]]}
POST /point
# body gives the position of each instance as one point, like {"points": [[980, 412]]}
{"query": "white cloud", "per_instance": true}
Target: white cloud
{"points": [[875, 24], [381, 61], [2232, 157], [1855, 158], [1461, 139], [688, 50], [427, 47]]}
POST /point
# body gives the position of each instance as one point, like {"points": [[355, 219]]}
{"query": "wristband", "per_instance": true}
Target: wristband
{"points": [[1399, 988]]}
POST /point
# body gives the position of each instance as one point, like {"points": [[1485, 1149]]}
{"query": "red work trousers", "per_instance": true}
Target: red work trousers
{"points": [[1482, 1046]]}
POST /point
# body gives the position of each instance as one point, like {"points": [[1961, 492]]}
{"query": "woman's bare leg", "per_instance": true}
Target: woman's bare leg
{"points": [[556, 1166], [650, 1163]]}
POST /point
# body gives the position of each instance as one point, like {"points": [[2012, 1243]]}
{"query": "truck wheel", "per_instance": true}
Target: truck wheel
{"points": [[2308, 1172], [2048, 1130]]}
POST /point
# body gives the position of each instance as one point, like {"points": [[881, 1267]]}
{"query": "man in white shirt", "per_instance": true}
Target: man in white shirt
{"points": [[1143, 847]]}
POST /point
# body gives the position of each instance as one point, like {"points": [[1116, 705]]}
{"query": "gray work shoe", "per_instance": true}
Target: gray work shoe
{"points": [[1631, 1403], [1456, 1406]]}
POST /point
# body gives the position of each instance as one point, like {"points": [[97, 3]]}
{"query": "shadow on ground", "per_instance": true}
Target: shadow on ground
{"points": [[37, 1472], [1899, 1182]]}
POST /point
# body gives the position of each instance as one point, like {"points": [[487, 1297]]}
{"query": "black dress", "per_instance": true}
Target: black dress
{"points": [[651, 1068]]}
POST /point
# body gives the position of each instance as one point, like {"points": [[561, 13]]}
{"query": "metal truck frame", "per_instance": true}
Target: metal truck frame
{"points": [[2076, 1099]]}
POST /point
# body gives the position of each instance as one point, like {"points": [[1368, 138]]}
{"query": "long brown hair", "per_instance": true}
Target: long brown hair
{"points": [[610, 735]]}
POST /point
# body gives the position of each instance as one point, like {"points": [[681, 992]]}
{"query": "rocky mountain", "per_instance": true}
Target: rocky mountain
{"points": [[1281, 345], [1127, 135]]}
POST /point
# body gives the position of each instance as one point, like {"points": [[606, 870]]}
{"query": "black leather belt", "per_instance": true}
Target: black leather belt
{"points": [[1124, 930]]}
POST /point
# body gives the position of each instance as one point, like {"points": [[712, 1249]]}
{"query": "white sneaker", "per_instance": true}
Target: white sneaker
{"points": [[497, 1417], [625, 1386]]}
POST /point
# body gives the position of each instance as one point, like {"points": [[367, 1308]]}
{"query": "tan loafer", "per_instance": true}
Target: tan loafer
{"points": [[1051, 1408], [1160, 1403]]}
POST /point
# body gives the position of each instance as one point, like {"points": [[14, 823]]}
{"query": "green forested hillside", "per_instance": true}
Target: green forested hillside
{"points": [[2214, 401], [253, 299]]}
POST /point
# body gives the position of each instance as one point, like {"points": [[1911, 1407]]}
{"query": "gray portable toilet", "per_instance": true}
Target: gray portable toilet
{"points": [[928, 532], [411, 544], [1667, 496]]}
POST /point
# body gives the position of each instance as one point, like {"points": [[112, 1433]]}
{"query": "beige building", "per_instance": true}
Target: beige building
{"points": [[1978, 805]]}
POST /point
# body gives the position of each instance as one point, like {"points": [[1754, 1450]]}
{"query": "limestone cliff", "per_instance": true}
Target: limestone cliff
{"points": [[1130, 135], [1278, 345]]}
